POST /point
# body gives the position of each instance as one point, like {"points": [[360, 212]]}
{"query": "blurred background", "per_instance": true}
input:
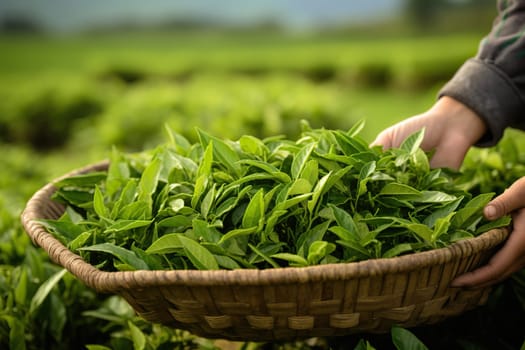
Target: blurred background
{"points": [[80, 77]]}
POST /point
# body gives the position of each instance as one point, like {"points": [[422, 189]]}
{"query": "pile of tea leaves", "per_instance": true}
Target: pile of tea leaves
{"points": [[327, 197]]}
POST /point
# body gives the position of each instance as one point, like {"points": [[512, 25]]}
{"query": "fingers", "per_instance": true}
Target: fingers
{"points": [[444, 158], [449, 151], [510, 200], [395, 135], [495, 271], [509, 259], [383, 139]]}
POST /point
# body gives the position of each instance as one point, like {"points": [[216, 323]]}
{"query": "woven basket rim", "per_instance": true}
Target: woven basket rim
{"points": [[110, 282]]}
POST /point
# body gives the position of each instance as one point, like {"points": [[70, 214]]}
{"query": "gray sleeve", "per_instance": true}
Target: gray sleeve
{"points": [[493, 83]]}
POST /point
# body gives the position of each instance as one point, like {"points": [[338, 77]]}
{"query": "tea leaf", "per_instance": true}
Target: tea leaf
{"points": [[88, 180], [204, 231], [300, 159], [411, 143], [127, 195], [471, 211], [300, 186], [166, 244], [355, 250], [318, 192], [350, 145], [441, 227], [199, 256], [208, 201], [139, 210], [364, 177], [480, 201], [176, 222], [222, 152], [226, 206], [316, 233], [254, 211], [310, 172], [80, 241], [361, 345], [263, 256], [236, 233], [293, 259], [319, 250], [126, 256], [422, 230], [501, 222], [261, 177], [398, 250], [21, 289], [44, 289], [17, 332], [206, 162], [444, 211], [398, 189], [345, 220], [149, 180], [356, 128], [273, 219], [80, 198], [124, 225], [266, 167], [118, 173], [253, 145], [65, 230], [98, 204], [343, 233], [226, 262], [200, 186], [98, 347], [435, 197], [420, 161], [292, 201], [403, 339], [139, 339]]}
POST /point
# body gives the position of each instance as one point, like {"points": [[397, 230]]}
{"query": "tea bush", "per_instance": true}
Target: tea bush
{"points": [[269, 106]]}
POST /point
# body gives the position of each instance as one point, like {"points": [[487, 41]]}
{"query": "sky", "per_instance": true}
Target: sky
{"points": [[74, 15]]}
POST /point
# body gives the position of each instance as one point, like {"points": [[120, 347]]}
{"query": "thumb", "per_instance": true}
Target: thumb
{"points": [[513, 198]]}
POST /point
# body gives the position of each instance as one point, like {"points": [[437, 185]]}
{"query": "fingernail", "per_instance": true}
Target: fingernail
{"points": [[490, 211]]}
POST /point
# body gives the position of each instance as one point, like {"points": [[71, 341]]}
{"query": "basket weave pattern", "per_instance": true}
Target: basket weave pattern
{"points": [[284, 303]]}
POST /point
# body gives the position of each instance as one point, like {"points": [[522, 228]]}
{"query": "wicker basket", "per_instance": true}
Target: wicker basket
{"points": [[285, 303]]}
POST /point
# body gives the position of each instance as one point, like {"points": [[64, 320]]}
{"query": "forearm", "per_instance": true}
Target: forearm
{"points": [[493, 83]]}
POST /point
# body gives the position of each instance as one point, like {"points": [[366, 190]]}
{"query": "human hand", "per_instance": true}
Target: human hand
{"points": [[511, 257], [451, 128]]}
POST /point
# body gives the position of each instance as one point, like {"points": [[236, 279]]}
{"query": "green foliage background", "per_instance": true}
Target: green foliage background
{"points": [[66, 101]]}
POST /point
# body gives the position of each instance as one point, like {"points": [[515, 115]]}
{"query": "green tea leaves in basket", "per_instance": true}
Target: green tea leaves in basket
{"points": [[324, 198], [127, 257]]}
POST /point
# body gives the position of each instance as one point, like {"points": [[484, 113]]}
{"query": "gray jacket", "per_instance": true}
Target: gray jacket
{"points": [[493, 83]]}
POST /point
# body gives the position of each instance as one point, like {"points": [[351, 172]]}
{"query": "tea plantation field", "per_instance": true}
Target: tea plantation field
{"points": [[66, 101]]}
